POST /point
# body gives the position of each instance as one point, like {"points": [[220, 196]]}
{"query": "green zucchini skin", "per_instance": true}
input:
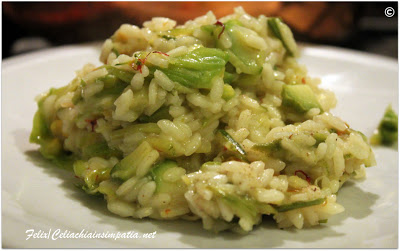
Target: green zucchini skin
{"points": [[300, 204]]}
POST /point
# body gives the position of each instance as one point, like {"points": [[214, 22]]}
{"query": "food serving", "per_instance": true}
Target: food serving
{"points": [[387, 132], [212, 120]]}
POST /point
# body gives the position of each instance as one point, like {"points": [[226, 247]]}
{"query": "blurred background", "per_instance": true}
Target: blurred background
{"points": [[364, 26]]}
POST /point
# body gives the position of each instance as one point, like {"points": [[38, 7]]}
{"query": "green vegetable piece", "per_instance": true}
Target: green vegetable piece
{"points": [[246, 59], [299, 204], [388, 137], [91, 176], [271, 147], [115, 90], [50, 148], [101, 150], [264, 208], [320, 137], [299, 98], [202, 59], [390, 119], [168, 178], [94, 106], [78, 92], [197, 68], [108, 188], [180, 32], [162, 113], [162, 145], [157, 173], [40, 129], [109, 80], [235, 144], [387, 132], [167, 37], [80, 167], [228, 93], [58, 91], [229, 77], [323, 221], [243, 206], [124, 75], [126, 168], [115, 51], [245, 80], [131, 129], [191, 78], [208, 28], [283, 33]]}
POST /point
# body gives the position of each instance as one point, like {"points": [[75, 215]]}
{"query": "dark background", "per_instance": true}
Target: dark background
{"points": [[37, 25]]}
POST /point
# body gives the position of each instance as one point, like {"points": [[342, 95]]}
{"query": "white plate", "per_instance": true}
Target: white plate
{"points": [[37, 196]]}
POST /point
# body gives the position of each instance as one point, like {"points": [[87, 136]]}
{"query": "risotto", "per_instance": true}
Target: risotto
{"points": [[212, 120]]}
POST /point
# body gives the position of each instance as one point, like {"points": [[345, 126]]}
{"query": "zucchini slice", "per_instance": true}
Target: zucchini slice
{"points": [[299, 204], [283, 33]]}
